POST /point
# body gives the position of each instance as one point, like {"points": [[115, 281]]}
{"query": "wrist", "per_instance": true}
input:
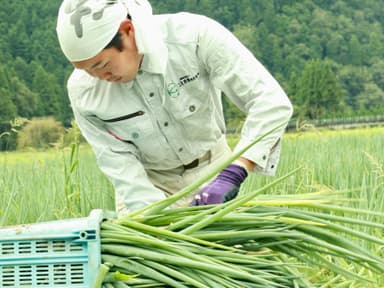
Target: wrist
{"points": [[245, 163]]}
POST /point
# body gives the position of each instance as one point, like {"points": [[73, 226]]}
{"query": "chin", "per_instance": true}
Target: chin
{"points": [[125, 80], [120, 79]]}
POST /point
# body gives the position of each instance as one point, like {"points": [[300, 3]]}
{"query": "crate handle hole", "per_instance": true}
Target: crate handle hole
{"points": [[83, 235]]}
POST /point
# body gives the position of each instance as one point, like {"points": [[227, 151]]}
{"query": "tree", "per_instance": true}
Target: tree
{"points": [[377, 70], [233, 116], [24, 99], [246, 34], [371, 99], [353, 79], [21, 69], [7, 108], [318, 92], [355, 51], [375, 46], [45, 85], [283, 34]]}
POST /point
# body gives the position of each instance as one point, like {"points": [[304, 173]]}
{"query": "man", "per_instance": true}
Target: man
{"points": [[146, 94]]}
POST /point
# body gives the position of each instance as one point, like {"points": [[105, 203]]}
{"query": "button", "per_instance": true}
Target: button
{"points": [[140, 72], [272, 166], [151, 94], [135, 135], [264, 157], [166, 124], [192, 108], [180, 149]]}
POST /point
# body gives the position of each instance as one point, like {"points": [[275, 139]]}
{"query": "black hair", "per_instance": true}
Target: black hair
{"points": [[116, 40]]}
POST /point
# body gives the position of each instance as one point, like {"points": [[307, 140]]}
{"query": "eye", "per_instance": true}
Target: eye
{"points": [[99, 66]]}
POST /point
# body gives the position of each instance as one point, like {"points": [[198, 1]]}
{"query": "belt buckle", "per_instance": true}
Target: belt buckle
{"points": [[197, 161], [192, 165]]}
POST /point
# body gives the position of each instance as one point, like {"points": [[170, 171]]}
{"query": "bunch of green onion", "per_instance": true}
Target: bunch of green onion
{"points": [[246, 242]]}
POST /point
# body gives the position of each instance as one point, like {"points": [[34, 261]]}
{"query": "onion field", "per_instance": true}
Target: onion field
{"points": [[342, 171]]}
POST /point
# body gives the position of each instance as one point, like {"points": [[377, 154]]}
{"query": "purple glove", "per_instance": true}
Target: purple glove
{"points": [[223, 188]]}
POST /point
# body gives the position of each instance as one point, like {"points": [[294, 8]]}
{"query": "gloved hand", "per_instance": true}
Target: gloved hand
{"points": [[223, 188]]}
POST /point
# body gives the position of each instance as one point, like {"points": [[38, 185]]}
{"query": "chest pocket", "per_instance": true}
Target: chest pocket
{"points": [[132, 128], [191, 99], [193, 114], [186, 109]]}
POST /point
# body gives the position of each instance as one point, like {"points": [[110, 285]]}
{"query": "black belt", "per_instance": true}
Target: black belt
{"points": [[192, 165], [195, 163]]}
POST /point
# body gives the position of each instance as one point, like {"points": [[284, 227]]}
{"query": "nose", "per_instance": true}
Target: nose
{"points": [[104, 75]]}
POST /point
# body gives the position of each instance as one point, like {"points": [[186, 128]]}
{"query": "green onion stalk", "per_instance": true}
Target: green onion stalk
{"points": [[250, 241]]}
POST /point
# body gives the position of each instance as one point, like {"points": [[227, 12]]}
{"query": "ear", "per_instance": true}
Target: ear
{"points": [[126, 27]]}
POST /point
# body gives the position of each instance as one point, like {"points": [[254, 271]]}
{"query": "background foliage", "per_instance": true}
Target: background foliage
{"points": [[326, 54]]}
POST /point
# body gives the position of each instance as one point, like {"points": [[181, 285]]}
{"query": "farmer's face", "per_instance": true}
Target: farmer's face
{"points": [[114, 65]]}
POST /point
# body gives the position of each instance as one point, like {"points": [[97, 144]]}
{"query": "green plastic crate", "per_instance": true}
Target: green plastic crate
{"points": [[64, 253]]}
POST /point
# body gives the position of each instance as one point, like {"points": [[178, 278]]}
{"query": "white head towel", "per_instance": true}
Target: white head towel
{"points": [[85, 27]]}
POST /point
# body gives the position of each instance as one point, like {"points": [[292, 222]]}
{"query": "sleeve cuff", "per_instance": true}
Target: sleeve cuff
{"points": [[265, 158]]}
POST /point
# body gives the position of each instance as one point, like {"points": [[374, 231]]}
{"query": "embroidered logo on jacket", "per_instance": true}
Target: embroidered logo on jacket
{"points": [[186, 79], [173, 88]]}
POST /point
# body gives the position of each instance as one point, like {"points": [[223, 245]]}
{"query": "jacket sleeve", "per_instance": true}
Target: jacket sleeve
{"points": [[244, 80], [119, 162]]}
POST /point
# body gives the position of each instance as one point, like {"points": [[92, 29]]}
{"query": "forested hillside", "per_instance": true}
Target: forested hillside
{"points": [[327, 54]]}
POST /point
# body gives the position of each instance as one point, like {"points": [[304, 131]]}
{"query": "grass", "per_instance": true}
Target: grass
{"points": [[351, 161], [43, 186], [58, 184], [67, 183]]}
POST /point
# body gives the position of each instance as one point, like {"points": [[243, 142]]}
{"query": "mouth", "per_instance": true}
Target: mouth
{"points": [[115, 79]]}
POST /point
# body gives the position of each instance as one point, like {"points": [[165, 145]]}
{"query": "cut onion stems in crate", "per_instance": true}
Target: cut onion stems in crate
{"points": [[248, 246]]}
